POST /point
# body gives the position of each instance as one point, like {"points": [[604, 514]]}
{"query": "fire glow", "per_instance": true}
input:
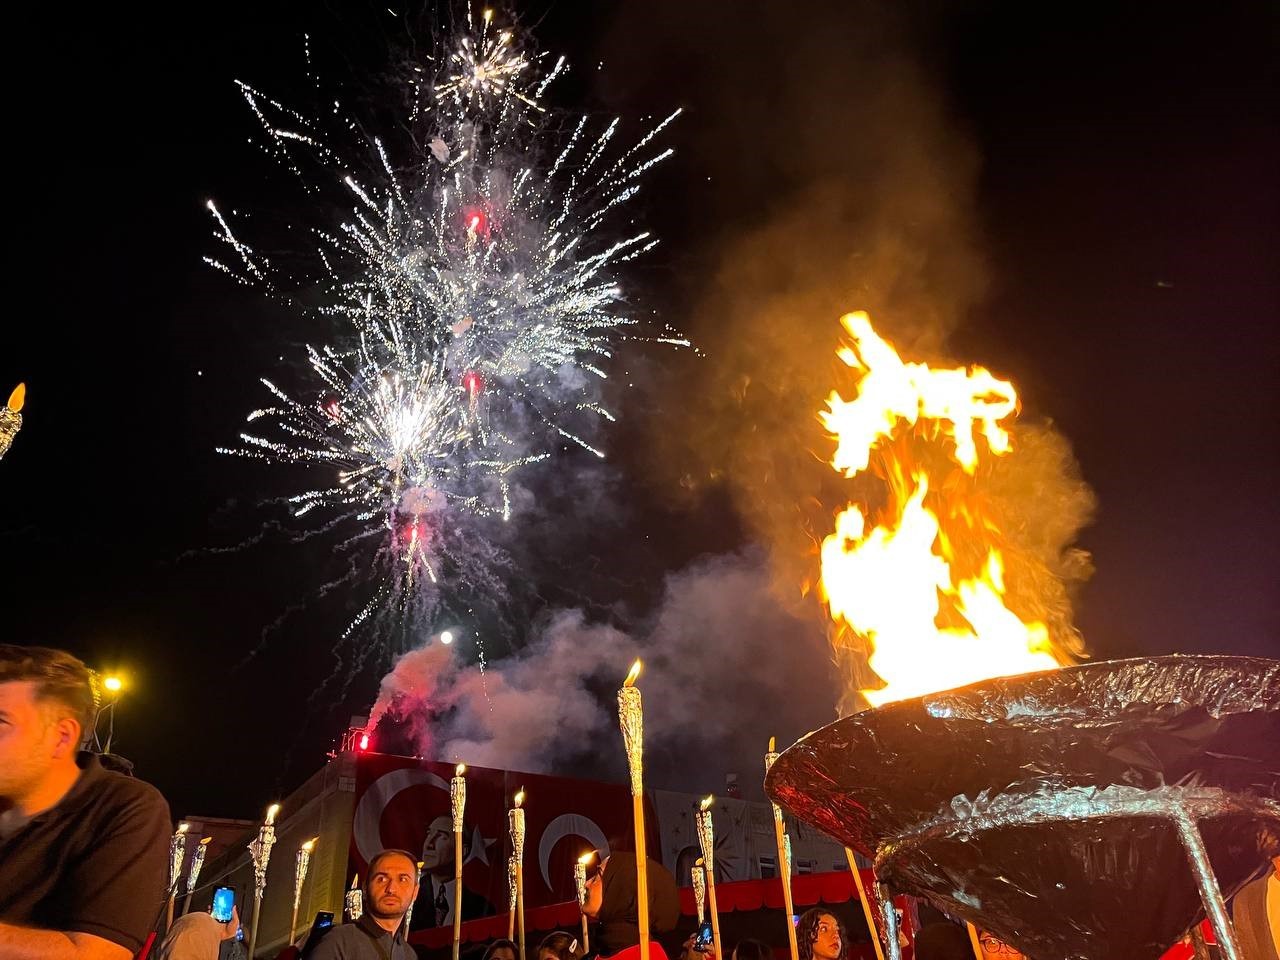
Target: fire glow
{"points": [[920, 578]]}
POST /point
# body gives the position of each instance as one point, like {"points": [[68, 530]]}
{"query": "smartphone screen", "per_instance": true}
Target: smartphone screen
{"points": [[224, 899], [704, 938]]}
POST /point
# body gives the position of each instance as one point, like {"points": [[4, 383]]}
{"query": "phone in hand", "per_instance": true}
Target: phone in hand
{"points": [[704, 939], [224, 901]]}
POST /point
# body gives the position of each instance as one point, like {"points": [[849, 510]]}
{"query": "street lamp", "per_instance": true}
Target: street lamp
{"points": [[112, 685]]}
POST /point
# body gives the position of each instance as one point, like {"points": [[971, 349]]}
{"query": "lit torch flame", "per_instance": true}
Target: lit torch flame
{"points": [[923, 582], [633, 675]]}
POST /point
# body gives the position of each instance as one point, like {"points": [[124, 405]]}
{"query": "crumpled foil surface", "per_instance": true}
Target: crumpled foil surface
{"points": [[1035, 806]]}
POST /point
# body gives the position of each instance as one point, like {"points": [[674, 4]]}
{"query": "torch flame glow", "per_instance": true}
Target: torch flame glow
{"points": [[460, 769], [633, 675], [519, 799], [17, 398], [707, 801], [922, 583], [587, 857]]}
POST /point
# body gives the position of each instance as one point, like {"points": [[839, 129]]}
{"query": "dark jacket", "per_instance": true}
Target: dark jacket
{"points": [[363, 940], [618, 920]]}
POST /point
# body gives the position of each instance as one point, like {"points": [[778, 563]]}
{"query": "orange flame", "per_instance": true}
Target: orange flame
{"points": [[923, 585], [633, 675]]}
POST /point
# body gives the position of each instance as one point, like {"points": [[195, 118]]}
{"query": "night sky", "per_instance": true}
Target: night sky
{"points": [[1121, 195]]}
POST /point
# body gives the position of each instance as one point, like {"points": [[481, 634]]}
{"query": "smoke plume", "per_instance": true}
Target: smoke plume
{"points": [[725, 669]]}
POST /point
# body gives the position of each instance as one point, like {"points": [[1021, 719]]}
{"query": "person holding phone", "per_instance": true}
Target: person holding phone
{"points": [[84, 850], [206, 936]]}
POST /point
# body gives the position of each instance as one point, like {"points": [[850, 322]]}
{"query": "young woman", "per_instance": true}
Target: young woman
{"points": [[820, 936]]}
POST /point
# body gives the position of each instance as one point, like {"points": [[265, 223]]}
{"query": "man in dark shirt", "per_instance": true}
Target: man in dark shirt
{"points": [[379, 934], [83, 851]]}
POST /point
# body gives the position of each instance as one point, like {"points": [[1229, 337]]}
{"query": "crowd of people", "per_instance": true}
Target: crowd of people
{"points": [[84, 865]]}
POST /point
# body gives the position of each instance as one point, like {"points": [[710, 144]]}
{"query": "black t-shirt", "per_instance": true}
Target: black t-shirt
{"points": [[97, 862]]}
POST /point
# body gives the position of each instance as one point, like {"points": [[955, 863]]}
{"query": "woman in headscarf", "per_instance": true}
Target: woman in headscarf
{"points": [[612, 903]]}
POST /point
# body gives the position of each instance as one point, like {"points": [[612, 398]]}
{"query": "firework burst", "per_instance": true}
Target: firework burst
{"points": [[470, 274]]}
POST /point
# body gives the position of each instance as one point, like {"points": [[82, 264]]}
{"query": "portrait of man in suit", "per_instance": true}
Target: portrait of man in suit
{"points": [[434, 906]]}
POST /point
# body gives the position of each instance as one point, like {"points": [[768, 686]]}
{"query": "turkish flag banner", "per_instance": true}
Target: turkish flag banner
{"points": [[403, 803]]}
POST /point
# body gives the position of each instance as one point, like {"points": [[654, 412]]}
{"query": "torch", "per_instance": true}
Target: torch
{"points": [[699, 876], [407, 922], [458, 802], [353, 901], [511, 897], [193, 873], [260, 850], [177, 852], [11, 417], [631, 720], [866, 904], [300, 866], [580, 883], [784, 855], [516, 818], [977, 944], [707, 841]]}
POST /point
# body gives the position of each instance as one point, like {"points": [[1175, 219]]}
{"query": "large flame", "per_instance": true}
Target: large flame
{"points": [[923, 583]]}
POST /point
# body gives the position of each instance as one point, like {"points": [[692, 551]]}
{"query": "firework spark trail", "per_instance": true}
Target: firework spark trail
{"points": [[470, 274]]}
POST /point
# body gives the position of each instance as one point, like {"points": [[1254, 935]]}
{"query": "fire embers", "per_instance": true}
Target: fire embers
{"points": [[915, 572]]}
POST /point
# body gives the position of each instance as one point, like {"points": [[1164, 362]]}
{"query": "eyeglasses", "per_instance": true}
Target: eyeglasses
{"points": [[994, 945]]}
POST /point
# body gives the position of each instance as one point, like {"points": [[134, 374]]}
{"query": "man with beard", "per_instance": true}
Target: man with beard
{"points": [[437, 895], [379, 934]]}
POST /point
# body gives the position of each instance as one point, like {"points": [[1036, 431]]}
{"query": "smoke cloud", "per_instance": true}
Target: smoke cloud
{"points": [[725, 669]]}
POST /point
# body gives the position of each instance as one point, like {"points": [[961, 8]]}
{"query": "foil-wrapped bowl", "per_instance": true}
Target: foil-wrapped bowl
{"points": [[1042, 807]]}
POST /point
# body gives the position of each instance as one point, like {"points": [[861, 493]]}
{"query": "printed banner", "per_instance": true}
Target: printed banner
{"points": [[403, 803]]}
